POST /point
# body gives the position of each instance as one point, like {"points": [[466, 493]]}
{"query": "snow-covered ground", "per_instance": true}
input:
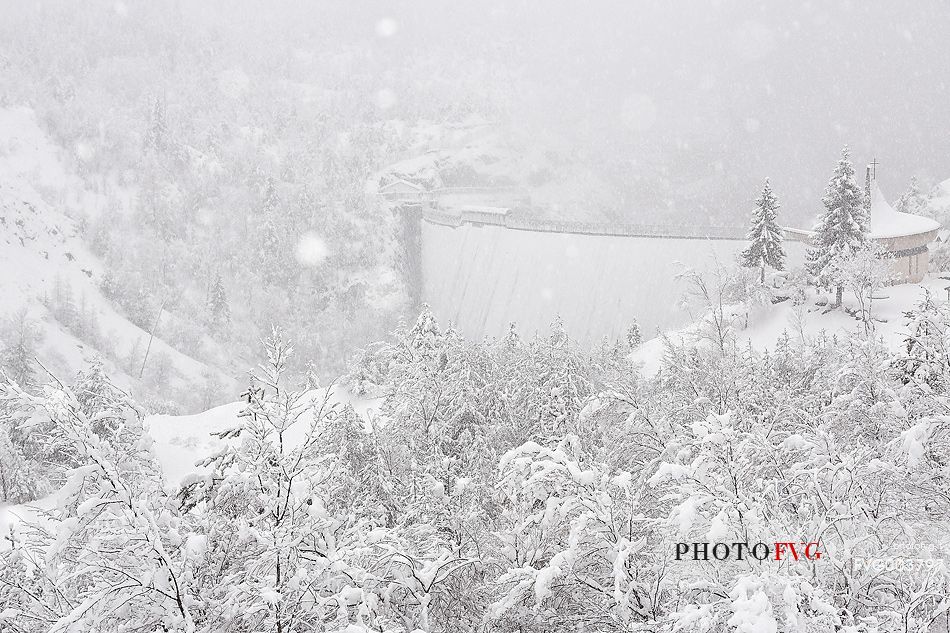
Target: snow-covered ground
{"points": [[183, 440], [766, 324]]}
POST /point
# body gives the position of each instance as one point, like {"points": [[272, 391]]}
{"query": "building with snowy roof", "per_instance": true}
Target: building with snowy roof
{"points": [[905, 236], [404, 191]]}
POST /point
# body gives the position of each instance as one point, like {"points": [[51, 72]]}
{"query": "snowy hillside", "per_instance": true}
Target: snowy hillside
{"points": [[51, 281]]}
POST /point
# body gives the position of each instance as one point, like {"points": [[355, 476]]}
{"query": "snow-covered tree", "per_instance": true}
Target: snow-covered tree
{"points": [[20, 479], [99, 399], [219, 311], [112, 554], [274, 247], [512, 338], [925, 359], [425, 337], [270, 198], [865, 272], [156, 134], [765, 235], [272, 541], [562, 384], [272, 251], [841, 230], [913, 200], [299, 537], [710, 299], [634, 337], [21, 336], [575, 553]]}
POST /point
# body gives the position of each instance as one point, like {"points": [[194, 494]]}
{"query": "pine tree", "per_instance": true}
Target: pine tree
{"points": [[634, 336], [18, 482], [305, 209], [913, 200], [841, 230], [155, 135], [17, 359], [425, 338], [100, 400], [765, 235], [512, 339], [270, 251], [270, 200], [109, 285], [218, 307], [66, 312], [562, 385], [273, 238]]}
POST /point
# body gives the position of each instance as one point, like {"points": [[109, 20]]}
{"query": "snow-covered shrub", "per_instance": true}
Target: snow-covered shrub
{"points": [[940, 257], [509, 486], [112, 552]]}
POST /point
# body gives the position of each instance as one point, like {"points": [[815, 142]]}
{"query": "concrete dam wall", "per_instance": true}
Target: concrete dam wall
{"points": [[482, 277]]}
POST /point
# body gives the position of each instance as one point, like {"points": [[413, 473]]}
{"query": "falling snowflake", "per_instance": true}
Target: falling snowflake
{"points": [[385, 99], [312, 250], [386, 27]]}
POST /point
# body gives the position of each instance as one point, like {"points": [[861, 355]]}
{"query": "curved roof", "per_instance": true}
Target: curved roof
{"points": [[886, 222]]}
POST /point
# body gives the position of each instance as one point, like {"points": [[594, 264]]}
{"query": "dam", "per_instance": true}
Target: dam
{"points": [[481, 276]]}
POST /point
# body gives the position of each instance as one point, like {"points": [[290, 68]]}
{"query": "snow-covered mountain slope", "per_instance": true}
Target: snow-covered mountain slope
{"points": [[47, 271]]}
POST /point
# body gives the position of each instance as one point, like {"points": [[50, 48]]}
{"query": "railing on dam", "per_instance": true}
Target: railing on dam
{"points": [[543, 225]]}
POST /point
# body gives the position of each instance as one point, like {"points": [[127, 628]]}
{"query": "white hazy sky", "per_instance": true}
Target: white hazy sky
{"points": [[714, 96], [734, 91]]}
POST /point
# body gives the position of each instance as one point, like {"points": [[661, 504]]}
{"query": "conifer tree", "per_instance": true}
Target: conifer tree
{"points": [[100, 400], [67, 313], [425, 337], [271, 199], [17, 358], [913, 200], [841, 230], [634, 336], [156, 133], [512, 338], [273, 238], [270, 251], [765, 235], [218, 303]]}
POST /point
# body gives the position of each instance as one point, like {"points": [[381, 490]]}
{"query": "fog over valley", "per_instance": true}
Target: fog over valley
{"points": [[481, 316]]}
